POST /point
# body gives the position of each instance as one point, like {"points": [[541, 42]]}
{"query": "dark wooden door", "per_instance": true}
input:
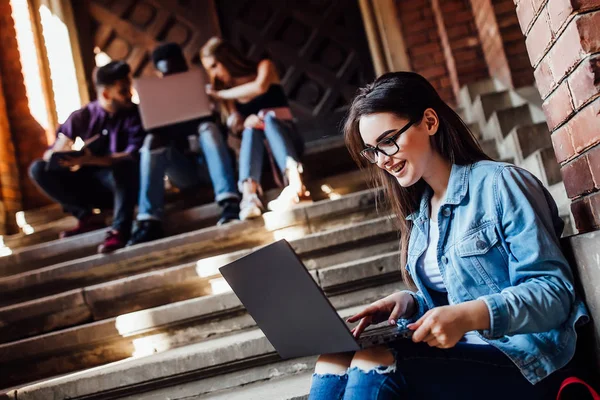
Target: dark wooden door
{"points": [[130, 29], [319, 47]]}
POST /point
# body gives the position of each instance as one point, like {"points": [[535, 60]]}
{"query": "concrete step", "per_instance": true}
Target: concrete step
{"points": [[486, 104], [291, 387], [181, 248], [375, 238], [475, 129], [490, 148], [471, 91], [40, 216], [217, 320], [542, 163], [502, 121], [183, 220], [523, 140]]}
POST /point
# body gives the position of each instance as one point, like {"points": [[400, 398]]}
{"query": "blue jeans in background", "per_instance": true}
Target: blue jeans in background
{"points": [[282, 141], [464, 372], [184, 171]]}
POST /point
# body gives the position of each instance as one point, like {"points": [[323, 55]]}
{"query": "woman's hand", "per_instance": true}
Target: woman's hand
{"points": [[254, 122], [391, 308], [214, 94], [444, 326]]}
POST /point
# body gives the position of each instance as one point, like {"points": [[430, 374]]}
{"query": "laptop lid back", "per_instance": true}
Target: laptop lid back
{"points": [[172, 99], [287, 304]]}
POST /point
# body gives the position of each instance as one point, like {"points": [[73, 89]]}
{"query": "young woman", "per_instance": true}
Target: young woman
{"points": [[494, 311], [253, 97]]}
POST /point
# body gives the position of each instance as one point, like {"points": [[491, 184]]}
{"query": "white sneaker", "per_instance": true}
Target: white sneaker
{"points": [[250, 207], [289, 198]]}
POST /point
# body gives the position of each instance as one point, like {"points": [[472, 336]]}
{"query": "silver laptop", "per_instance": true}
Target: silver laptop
{"points": [[172, 99], [290, 307]]}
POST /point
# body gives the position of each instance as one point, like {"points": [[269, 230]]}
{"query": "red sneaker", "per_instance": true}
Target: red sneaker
{"points": [[113, 241], [84, 225]]}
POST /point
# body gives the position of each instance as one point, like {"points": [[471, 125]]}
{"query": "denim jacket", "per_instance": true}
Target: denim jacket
{"points": [[499, 242]]}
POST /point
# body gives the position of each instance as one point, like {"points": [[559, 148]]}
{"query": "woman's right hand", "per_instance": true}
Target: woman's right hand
{"points": [[389, 308]]}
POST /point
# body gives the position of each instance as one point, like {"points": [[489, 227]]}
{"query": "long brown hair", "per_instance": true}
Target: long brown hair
{"points": [[232, 59], [408, 95]]}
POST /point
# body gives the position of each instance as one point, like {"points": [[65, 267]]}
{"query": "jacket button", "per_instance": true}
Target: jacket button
{"points": [[446, 212], [541, 372], [445, 259], [480, 244]]}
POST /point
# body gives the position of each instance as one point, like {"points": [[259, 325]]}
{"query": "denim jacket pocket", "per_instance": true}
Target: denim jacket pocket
{"points": [[478, 242], [480, 253]]}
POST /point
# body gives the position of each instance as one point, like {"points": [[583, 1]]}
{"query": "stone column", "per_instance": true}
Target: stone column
{"points": [[563, 41]]}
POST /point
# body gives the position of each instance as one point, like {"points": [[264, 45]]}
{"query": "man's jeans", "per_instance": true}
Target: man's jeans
{"points": [[283, 143], [184, 171], [90, 187]]}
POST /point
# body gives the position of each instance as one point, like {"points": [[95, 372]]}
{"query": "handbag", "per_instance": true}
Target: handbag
{"points": [[576, 381]]}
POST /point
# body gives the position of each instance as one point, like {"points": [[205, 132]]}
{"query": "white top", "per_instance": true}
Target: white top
{"points": [[427, 267], [429, 272]]}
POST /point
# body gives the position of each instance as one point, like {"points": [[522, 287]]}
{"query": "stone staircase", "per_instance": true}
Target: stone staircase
{"points": [[157, 321], [511, 126]]}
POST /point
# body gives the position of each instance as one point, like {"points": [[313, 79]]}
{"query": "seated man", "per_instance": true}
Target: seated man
{"points": [[173, 151], [106, 175]]}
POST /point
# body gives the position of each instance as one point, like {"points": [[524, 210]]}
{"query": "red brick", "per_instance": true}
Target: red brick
{"points": [[539, 38], [584, 82], [589, 31], [525, 14], [420, 26], [560, 10], [504, 7], [544, 79], [583, 214], [536, 4], [593, 157], [558, 106], [427, 49], [584, 126], [566, 53], [563, 144], [577, 177]]}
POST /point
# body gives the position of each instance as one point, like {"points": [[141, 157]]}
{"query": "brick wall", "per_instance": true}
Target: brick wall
{"points": [[503, 42], [28, 137], [424, 46], [563, 41], [460, 42]]}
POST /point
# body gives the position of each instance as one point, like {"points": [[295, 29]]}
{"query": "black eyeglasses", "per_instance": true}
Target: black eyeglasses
{"points": [[387, 146]]}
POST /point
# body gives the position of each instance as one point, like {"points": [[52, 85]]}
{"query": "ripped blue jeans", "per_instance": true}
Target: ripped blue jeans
{"points": [[466, 372]]}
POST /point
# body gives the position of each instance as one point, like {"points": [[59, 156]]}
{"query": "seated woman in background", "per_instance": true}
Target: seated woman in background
{"points": [[252, 95], [493, 310]]}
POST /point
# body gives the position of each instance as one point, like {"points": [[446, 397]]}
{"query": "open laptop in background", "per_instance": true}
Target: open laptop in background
{"points": [[172, 99], [290, 307]]}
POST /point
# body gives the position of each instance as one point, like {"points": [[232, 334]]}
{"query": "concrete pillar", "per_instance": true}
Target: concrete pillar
{"points": [[563, 39]]}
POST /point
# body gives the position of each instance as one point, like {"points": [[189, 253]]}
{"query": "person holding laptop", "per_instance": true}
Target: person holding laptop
{"points": [[493, 307], [179, 151], [252, 96], [105, 174]]}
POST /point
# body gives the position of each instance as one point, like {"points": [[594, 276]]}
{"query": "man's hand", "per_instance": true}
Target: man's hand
{"points": [[444, 326], [86, 159]]}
